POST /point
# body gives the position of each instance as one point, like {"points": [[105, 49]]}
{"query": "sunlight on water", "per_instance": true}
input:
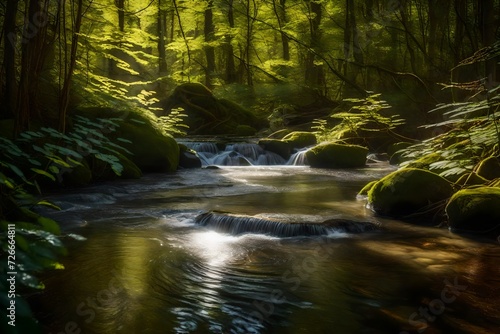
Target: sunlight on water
{"points": [[215, 248]]}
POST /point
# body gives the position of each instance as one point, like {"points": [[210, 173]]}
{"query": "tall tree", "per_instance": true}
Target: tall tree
{"points": [[209, 38], [280, 12], [161, 30], [314, 73], [230, 73], [64, 98]]}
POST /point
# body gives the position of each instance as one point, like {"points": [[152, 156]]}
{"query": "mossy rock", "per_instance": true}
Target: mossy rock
{"points": [[300, 139], [149, 149], [206, 114], [407, 191], [475, 210], [364, 191], [425, 161], [334, 155], [470, 179], [277, 146], [489, 168]]}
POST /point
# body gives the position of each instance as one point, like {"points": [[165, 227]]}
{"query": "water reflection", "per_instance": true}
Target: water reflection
{"points": [[147, 268]]}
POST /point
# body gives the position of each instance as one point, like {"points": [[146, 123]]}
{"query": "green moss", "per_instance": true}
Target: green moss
{"points": [[407, 191], [300, 139], [364, 191], [150, 150], [489, 168], [425, 161], [475, 210], [333, 155]]}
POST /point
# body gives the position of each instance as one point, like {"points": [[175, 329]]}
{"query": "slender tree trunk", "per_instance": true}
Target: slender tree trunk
{"points": [[231, 76], [162, 26], [209, 49], [64, 99], [280, 12], [9, 60], [184, 38], [314, 75], [34, 34]]}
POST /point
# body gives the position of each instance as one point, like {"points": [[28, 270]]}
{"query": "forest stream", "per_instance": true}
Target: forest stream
{"points": [[148, 266]]}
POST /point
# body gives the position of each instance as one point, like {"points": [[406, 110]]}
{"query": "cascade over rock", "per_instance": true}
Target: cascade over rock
{"points": [[239, 224]]}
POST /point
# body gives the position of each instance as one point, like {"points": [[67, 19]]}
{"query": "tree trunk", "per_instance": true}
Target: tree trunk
{"points": [[34, 34], [162, 28], [64, 99], [280, 12], [209, 49], [9, 60], [231, 76], [314, 75]]}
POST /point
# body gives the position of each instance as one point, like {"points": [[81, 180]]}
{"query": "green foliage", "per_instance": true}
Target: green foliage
{"points": [[468, 134], [364, 117], [173, 122], [36, 238]]}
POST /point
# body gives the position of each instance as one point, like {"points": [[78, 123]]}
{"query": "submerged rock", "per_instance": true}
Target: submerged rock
{"points": [[334, 155], [407, 191], [475, 210], [240, 224]]}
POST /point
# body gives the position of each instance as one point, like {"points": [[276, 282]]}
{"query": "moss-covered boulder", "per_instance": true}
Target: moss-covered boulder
{"points": [[148, 148], [334, 155], [489, 168], [300, 139], [475, 210], [364, 191], [277, 146], [207, 114], [408, 191]]}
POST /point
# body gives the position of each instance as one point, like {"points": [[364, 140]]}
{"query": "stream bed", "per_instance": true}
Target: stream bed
{"points": [[147, 267]]}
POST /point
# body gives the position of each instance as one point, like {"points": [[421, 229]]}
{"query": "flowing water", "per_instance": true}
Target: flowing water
{"points": [[154, 262]]}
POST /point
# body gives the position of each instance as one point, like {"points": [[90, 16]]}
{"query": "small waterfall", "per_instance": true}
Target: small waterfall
{"points": [[237, 154], [299, 158], [238, 224]]}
